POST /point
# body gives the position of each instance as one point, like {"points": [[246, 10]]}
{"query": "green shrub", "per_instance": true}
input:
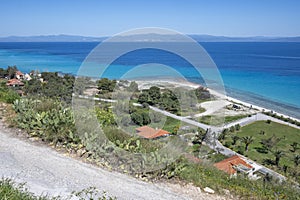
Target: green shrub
{"points": [[10, 190], [232, 129], [47, 119], [237, 127], [7, 95], [105, 117], [227, 144], [206, 175], [281, 117], [127, 142]]}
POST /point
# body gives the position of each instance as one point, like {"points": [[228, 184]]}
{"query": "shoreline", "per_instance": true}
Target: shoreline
{"points": [[259, 108], [185, 83]]}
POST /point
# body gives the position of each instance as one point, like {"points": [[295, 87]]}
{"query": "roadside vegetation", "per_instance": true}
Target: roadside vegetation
{"points": [[47, 115], [7, 95], [292, 121], [9, 190], [240, 186]]}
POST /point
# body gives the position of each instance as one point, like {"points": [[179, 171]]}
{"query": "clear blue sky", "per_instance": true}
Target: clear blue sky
{"points": [[107, 17]]}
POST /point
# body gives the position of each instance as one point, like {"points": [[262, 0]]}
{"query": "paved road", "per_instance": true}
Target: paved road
{"points": [[183, 119], [259, 117], [95, 98], [213, 143], [211, 138]]}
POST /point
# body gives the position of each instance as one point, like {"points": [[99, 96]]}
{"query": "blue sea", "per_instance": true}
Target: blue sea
{"points": [[265, 74]]}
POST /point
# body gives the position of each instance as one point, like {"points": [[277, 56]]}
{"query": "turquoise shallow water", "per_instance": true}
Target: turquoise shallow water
{"points": [[265, 74]]}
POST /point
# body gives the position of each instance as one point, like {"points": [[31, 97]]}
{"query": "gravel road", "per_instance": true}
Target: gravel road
{"points": [[47, 171]]}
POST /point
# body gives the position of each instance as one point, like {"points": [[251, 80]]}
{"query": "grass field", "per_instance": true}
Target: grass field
{"points": [[282, 136], [217, 121]]}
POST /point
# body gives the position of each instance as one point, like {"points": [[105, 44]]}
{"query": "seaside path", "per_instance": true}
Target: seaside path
{"points": [[259, 117]]}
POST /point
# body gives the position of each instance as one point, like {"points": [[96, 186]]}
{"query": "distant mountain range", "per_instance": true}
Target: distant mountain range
{"points": [[141, 38], [51, 38], [210, 38]]}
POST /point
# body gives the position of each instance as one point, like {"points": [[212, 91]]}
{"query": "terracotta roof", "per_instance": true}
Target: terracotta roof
{"points": [[14, 81], [228, 164], [150, 133], [19, 73]]}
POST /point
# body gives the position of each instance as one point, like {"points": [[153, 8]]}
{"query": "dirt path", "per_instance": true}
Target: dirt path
{"points": [[47, 171]]}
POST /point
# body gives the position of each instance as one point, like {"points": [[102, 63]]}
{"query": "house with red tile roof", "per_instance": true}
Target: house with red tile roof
{"points": [[151, 133], [19, 75], [14, 82], [233, 165]]}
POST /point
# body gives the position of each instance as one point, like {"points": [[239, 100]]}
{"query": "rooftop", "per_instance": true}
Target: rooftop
{"points": [[13, 82], [19, 73], [151, 133], [232, 164]]}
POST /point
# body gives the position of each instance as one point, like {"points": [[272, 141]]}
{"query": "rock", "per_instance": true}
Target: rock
{"points": [[199, 189], [227, 192], [209, 190]]}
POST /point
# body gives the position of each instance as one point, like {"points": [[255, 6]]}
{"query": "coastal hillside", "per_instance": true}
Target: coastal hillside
{"points": [[143, 100], [131, 127]]}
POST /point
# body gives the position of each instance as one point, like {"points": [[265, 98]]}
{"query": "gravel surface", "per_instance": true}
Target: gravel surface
{"points": [[47, 171]]}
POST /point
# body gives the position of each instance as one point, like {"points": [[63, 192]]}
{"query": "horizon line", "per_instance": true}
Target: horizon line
{"points": [[190, 34]]}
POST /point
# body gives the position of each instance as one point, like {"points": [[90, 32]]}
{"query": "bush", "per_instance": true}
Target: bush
{"points": [[227, 144], [10, 96], [141, 117], [54, 86], [237, 127], [281, 117], [54, 125], [240, 149], [7, 95], [122, 139], [11, 190], [232, 129], [262, 149], [105, 117]]}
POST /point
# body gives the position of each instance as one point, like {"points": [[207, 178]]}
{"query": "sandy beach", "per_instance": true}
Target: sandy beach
{"points": [[184, 83]]}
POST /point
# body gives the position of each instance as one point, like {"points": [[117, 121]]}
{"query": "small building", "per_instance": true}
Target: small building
{"points": [[14, 83], [19, 75], [233, 165], [27, 77], [151, 133]]}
